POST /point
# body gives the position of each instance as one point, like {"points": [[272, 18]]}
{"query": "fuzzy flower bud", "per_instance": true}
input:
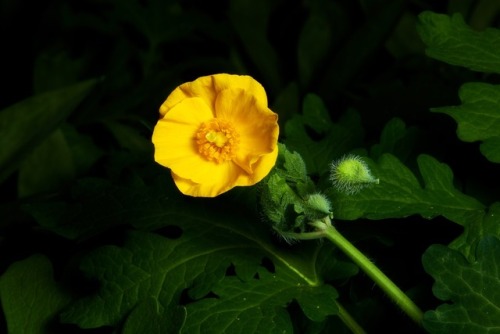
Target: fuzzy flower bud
{"points": [[317, 206], [350, 174]]}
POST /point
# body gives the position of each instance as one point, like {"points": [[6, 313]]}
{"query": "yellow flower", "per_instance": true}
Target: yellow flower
{"points": [[216, 133]]}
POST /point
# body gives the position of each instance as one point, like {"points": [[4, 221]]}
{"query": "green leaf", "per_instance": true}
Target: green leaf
{"points": [[277, 200], [316, 114], [287, 102], [476, 229], [202, 243], [291, 166], [128, 137], [54, 166], [471, 290], [149, 265], [250, 19], [450, 40], [337, 139], [58, 159], [400, 194], [30, 298], [396, 139], [256, 306], [478, 117], [324, 25], [25, 124], [359, 48], [55, 68], [146, 318], [490, 148], [95, 205]]}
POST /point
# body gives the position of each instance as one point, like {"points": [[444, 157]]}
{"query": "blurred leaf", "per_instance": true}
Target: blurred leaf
{"points": [[478, 117], [250, 19], [360, 47], [317, 37], [25, 124], [89, 209], [396, 139], [400, 194], [56, 161], [404, 40], [471, 291], [159, 20], [30, 298], [55, 69], [450, 40], [47, 167], [95, 205], [315, 114], [287, 102], [128, 137], [331, 140], [484, 14], [84, 151]]}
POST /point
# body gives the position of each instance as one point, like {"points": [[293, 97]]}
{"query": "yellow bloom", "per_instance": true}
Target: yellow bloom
{"points": [[216, 133]]}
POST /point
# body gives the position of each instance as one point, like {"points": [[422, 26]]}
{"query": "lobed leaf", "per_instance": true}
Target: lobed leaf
{"points": [[204, 260], [478, 117], [146, 318], [257, 305], [451, 40], [331, 140], [31, 299], [400, 194], [471, 290], [476, 229], [151, 266], [395, 139]]}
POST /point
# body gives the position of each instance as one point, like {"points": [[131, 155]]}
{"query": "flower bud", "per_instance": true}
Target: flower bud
{"points": [[350, 174], [317, 206]]}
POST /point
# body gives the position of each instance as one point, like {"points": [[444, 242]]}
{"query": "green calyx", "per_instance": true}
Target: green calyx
{"points": [[317, 206], [350, 174], [289, 199]]}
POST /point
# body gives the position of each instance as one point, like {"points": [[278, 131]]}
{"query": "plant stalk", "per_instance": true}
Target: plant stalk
{"points": [[391, 289]]}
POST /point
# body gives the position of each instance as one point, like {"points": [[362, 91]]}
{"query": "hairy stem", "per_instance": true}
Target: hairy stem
{"points": [[391, 289], [349, 321]]}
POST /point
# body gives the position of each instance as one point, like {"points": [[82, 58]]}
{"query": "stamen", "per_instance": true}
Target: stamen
{"points": [[217, 140]]}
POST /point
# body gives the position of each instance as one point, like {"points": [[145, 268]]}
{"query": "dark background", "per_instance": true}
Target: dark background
{"points": [[364, 55]]}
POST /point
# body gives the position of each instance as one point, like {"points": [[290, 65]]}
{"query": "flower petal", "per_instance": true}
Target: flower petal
{"points": [[243, 82], [210, 182], [173, 136], [255, 123], [242, 102], [208, 87], [262, 167]]}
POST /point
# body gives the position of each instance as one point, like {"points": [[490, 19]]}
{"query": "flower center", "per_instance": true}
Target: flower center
{"points": [[217, 140]]}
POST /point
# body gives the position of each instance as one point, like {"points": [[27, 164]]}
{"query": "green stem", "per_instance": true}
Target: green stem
{"points": [[349, 321], [391, 289]]}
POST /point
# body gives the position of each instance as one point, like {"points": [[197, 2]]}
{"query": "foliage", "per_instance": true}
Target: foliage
{"points": [[96, 238], [472, 287]]}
